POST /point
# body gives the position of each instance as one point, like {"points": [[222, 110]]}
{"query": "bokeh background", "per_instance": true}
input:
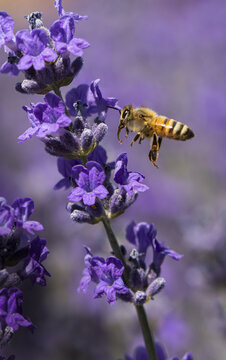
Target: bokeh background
{"points": [[170, 56]]}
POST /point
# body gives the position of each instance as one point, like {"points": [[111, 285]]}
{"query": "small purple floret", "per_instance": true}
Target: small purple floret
{"points": [[160, 251], [11, 310], [8, 68], [34, 45], [23, 209], [90, 183], [90, 96], [65, 168], [130, 181], [33, 267], [106, 274], [6, 28], [62, 32], [46, 118]]}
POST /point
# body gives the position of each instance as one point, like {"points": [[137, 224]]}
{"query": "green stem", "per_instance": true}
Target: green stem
{"points": [[148, 339], [115, 247]]}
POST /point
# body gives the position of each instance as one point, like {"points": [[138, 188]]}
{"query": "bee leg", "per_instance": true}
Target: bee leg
{"points": [[141, 138], [135, 139], [153, 154], [120, 127], [127, 132], [159, 141]]}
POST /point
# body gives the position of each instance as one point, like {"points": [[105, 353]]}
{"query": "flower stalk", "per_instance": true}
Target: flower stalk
{"points": [[142, 317]]}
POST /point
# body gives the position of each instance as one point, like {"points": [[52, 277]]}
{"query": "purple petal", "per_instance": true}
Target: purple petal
{"points": [[25, 62], [100, 191], [111, 295], [121, 173], [64, 121], [27, 134], [32, 225], [38, 62], [130, 233], [49, 55], [63, 30], [47, 129], [96, 174], [77, 45], [89, 198], [76, 194]]}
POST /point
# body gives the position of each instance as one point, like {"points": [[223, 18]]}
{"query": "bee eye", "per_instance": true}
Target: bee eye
{"points": [[125, 113]]}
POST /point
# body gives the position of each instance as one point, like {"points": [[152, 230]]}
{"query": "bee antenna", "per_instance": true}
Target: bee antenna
{"points": [[112, 107]]}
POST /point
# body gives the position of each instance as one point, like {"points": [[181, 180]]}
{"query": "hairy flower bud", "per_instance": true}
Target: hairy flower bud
{"points": [[140, 297], [155, 287], [100, 132], [87, 140]]}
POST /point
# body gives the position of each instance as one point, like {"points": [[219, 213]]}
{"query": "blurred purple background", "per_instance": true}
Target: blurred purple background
{"points": [[170, 56]]}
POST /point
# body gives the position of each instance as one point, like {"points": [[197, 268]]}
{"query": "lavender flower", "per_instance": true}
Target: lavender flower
{"points": [[62, 32], [17, 215], [107, 274], [90, 183], [6, 29], [35, 48], [130, 181], [10, 67], [17, 246], [6, 217], [159, 253], [37, 54], [33, 267], [92, 98], [23, 208], [142, 236], [65, 168], [11, 313], [46, 118]]}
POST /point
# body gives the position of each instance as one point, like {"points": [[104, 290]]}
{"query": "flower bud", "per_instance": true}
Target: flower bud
{"points": [[155, 287], [100, 132], [78, 125], [140, 297], [69, 141], [80, 216], [76, 66], [86, 139]]}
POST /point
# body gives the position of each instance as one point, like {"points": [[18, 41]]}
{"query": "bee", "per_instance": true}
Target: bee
{"points": [[148, 124]]}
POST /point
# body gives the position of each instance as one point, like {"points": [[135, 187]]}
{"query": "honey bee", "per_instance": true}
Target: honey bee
{"points": [[148, 124]]}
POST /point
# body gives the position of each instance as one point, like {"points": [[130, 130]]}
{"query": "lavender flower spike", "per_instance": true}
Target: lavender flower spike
{"points": [[106, 274], [90, 183], [130, 181]]}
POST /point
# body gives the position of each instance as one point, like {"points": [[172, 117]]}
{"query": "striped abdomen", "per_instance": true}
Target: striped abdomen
{"points": [[171, 129]]}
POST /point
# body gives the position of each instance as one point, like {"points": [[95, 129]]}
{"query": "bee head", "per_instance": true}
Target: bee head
{"points": [[126, 112]]}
